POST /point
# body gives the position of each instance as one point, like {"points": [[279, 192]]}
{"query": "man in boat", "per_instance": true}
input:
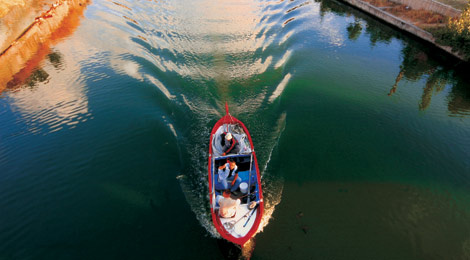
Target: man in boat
{"points": [[229, 144], [228, 172], [227, 206]]}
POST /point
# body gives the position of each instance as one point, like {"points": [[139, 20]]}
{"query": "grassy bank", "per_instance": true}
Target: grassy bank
{"points": [[456, 34]]}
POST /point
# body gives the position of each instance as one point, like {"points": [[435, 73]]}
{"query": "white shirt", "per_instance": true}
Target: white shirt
{"points": [[227, 206], [223, 174]]}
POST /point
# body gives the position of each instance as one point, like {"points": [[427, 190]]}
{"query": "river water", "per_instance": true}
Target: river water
{"points": [[362, 134]]}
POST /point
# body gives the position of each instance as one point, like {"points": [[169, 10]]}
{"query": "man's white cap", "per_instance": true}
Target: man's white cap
{"points": [[228, 136]]}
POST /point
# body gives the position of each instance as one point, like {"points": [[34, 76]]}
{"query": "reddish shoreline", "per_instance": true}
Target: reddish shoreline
{"points": [[32, 44]]}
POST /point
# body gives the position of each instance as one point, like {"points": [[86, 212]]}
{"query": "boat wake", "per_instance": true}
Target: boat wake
{"points": [[272, 184], [195, 184], [190, 66]]}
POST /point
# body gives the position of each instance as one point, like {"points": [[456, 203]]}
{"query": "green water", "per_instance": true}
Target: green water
{"points": [[362, 135]]}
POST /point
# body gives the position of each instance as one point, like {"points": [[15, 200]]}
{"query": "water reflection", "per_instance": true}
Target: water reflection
{"points": [[32, 74], [297, 6], [459, 99], [374, 29], [419, 61], [43, 84], [417, 65], [191, 39], [198, 54], [156, 74], [354, 30], [193, 54], [46, 100]]}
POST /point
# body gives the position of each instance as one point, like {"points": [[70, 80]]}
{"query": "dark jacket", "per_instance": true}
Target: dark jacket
{"points": [[230, 147]]}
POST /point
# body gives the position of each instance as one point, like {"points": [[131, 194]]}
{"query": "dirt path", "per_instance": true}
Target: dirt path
{"points": [[421, 18]]}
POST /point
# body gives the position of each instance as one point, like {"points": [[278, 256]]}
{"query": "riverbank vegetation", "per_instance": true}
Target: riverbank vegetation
{"points": [[456, 34]]}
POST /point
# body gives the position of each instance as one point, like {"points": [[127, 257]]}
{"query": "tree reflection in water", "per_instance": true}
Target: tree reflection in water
{"points": [[419, 60], [417, 64], [354, 30], [33, 73]]}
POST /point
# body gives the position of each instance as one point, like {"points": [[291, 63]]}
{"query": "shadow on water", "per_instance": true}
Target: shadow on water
{"points": [[229, 250]]}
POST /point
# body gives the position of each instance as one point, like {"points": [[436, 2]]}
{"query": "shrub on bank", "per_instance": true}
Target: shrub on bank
{"points": [[456, 34]]}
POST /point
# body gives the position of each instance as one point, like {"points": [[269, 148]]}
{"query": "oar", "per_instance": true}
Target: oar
{"points": [[251, 214]]}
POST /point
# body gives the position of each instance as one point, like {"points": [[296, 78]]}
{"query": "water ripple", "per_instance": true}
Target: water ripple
{"points": [[190, 54]]}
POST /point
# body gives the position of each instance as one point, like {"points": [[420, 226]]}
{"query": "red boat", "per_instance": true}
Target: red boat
{"points": [[239, 228]]}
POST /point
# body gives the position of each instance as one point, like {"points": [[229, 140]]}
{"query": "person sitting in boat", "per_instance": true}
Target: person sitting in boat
{"points": [[227, 206], [229, 144], [228, 172]]}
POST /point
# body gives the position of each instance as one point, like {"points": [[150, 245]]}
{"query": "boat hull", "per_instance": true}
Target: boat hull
{"points": [[246, 222]]}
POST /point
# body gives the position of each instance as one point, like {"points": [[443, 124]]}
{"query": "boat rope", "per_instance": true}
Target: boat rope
{"points": [[231, 224]]}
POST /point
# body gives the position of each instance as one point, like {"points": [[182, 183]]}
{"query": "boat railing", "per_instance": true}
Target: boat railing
{"points": [[249, 176]]}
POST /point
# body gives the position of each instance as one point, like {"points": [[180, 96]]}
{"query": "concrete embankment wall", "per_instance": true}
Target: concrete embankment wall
{"points": [[400, 23], [431, 5]]}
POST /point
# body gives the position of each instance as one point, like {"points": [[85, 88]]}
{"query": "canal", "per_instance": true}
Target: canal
{"points": [[362, 134]]}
